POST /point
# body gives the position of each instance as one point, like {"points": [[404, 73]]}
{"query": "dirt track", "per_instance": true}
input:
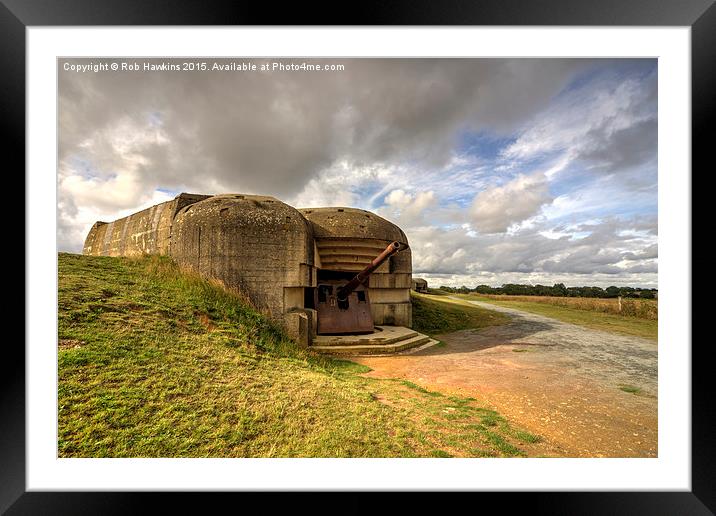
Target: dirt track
{"points": [[558, 380]]}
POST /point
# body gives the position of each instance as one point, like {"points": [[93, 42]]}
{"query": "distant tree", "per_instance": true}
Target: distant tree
{"points": [[540, 290], [484, 289], [595, 292], [559, 290], [512, 289], [628, 292], [612, 291]]}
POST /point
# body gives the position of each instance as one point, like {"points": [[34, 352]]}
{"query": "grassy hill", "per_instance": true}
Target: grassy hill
{"points": [[154, 362]]}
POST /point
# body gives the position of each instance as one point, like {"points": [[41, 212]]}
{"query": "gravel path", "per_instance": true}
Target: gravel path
{"points": [[561, 381], [613, 358]]}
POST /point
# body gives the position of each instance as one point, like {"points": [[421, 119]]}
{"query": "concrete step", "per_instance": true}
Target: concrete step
{"points": [[388, 335], [377, 349], [428, 344]]}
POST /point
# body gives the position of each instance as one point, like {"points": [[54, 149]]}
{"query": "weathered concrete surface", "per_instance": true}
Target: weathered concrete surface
{"points": [[257, 244], [419, 285], [145, 232], [558, 380]]}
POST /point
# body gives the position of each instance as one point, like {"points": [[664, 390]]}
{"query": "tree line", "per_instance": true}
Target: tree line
{"points": [[558, 289]]}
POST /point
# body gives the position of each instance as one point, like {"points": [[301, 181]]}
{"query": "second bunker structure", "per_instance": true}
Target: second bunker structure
{"points": [[279, 256]]}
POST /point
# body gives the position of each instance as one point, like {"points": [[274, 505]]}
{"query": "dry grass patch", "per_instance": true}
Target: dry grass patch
{"points": [[628, 307]]}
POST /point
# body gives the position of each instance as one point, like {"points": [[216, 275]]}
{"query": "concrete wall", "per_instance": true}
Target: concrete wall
{"points": [[145, 232], [420, 285]]}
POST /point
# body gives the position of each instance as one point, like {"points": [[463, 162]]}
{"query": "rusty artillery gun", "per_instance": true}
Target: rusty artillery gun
{"points": [[344, 307]]}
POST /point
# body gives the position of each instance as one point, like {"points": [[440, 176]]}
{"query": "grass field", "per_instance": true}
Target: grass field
{"points": [[627, 307], [588, 312], [153, 362]]}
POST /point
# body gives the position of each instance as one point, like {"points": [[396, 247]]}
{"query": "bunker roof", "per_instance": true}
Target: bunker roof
{"points": [[246, 210], [343, 222]]}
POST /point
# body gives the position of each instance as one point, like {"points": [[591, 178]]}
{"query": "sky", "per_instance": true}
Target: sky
{"points": [[536, 171]]}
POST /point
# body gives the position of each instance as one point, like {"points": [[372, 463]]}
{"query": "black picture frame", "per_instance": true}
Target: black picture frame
{"points": [[16, 15]]}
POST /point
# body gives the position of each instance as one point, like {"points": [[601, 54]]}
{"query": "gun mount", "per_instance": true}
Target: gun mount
{"points": [[344, 307]]}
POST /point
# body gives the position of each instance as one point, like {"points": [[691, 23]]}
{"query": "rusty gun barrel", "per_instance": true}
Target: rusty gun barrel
{"points": [[359, 278]]}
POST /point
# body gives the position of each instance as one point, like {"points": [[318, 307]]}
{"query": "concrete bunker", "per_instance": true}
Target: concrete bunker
{"points": [[288, 261], [420, 285]]}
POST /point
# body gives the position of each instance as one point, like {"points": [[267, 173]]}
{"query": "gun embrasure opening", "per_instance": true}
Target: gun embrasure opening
{"points": [[359, 278]]}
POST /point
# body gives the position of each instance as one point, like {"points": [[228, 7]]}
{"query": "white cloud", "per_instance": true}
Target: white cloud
{"points": [[407, 209], [609, 252], [494, 210], [610, 122]]}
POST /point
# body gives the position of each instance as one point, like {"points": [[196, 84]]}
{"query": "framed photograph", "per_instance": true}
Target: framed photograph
{"points": [[440, 249]]}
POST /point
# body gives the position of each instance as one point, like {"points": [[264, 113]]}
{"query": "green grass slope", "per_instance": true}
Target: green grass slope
{"points": [[434, 315], [154, 362]]}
